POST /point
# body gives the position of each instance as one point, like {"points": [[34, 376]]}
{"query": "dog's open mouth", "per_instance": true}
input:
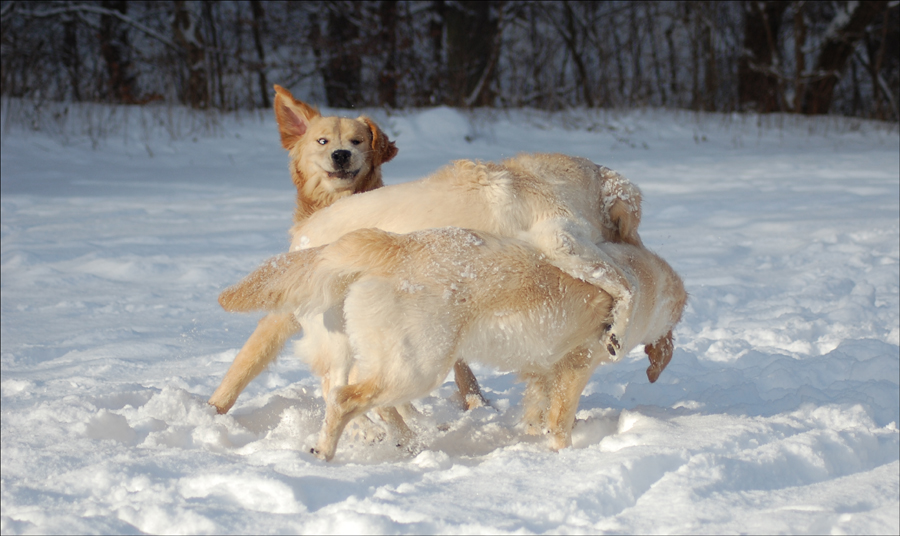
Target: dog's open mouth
{"points": [[345, 174]]}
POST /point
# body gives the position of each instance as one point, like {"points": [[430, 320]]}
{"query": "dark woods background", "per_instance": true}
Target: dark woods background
{"points": [[799, 57]]}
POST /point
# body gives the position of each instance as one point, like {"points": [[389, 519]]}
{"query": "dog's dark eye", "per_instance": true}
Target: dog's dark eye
{"points": [[355, 142], [322, 141]]}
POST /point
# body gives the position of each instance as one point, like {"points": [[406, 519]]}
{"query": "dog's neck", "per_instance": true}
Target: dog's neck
{"points": [[308, 205]]}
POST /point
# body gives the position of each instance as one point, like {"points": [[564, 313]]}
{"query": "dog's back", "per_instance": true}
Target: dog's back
{"points": [[505, 304]]}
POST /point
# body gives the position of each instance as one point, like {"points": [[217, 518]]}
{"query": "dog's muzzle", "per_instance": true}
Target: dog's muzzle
{"points": [[344, 174], [341, 159]]}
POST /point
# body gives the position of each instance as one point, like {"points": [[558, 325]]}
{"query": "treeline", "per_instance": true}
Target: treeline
{"points": [[764, 56]]}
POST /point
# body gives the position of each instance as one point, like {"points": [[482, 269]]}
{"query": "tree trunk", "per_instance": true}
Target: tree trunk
{"points": [[799, 55], [437, 10], [711, 72], [833, 55], [187, 35], [470, 31], [758, 83], [876, 50], [342, 71], [258, 21], [71, 58], [654, 53], [387, 80], [216, 71], [674, 88], [570, 37], [638, 91], [116, 51]]}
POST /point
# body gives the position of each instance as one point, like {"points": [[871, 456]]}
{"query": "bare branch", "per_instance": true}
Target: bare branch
{"points": [[81, 8]]}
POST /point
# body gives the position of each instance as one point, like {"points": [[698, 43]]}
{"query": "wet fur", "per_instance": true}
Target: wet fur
{"points": [[414, 304]]}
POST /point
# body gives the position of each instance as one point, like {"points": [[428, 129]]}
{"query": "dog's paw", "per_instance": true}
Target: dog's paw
{"points": [[411, 449], [364, 429], [614, 336], [533, 427], [612, 344], [533, 430], [475, 400], [560, 440]]}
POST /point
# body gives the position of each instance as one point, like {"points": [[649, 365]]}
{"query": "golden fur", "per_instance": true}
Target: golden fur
{"points": [[562, 205], [313, 141], [319, 182], [415, 304], [321, 179]]}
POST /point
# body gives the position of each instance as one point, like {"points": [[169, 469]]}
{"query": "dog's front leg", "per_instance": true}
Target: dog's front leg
{"points": [[570, 376], [260, 349], [343, 404]]}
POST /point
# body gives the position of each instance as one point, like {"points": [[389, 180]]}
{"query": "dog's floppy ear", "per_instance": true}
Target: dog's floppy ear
{"points": [[293, 116], [383, 149], [622, 202], [660, 353], [626, 218]]}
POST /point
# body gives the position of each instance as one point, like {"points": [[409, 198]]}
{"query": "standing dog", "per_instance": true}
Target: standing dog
{"points": [[330, 158], [560, 204], [415, 304]]}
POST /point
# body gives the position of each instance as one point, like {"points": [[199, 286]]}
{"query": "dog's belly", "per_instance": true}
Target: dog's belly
{"points": [[517, 342], [325, 347]]}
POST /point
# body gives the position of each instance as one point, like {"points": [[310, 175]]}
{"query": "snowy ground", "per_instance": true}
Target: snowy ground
{"points": [[778, 414]]}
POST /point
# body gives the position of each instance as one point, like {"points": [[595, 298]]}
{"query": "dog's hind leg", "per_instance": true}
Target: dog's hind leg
{"points": [[468, 386], [344, 403], [571, 375], [260, 349], [402, 433]]}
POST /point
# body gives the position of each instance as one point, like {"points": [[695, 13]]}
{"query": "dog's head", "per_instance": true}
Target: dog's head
{"points": [[330, 156]]}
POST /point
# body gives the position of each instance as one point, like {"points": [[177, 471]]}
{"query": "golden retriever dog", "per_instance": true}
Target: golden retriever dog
{"points": [[330, 158], [415, 304], [562, 205]]}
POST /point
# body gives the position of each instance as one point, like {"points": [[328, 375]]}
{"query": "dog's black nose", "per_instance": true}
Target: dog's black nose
{"points": [[341, 158]]}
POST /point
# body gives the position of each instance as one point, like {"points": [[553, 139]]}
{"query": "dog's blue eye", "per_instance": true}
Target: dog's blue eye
{"points": [[322, 141]]}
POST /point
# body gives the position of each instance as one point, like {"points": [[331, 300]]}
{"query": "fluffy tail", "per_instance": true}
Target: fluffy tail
{"points": [[312, 280]]}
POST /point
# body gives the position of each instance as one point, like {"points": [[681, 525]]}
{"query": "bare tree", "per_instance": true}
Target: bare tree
{"points": [[387, 80], [759, 82], [186, 30], [258, 29], [342, 68], [116, 50], [763, 56], [471, 29], [839, 43]]}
